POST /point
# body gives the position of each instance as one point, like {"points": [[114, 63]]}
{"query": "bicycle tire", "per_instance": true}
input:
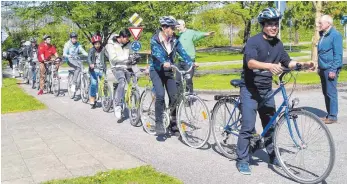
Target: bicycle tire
{"points": [[84, 89], [69, 83], [147, 116], [228, 150], [192, 120], [106, 98], [315, 160], [56, 85], [135, 96]]}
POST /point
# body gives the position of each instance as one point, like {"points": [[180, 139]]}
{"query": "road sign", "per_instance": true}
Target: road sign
{"points": [[136, 46], [135, 31], [135, 19], [344, 20]]}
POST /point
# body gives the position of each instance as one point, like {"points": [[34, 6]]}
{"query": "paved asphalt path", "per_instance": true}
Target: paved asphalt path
{"points": [[203, 166]]}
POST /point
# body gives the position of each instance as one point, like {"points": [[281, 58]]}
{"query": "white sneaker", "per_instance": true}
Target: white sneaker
{"points": [[73, 88], [118, 112]]}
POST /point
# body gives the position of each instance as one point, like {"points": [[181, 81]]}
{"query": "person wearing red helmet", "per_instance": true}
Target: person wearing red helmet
{"points": [[97, 67]]}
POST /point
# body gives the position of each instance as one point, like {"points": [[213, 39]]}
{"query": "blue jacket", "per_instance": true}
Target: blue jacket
{"points": [[330, 50], [159, 55]]}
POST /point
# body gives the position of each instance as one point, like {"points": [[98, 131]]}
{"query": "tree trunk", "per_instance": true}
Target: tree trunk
{"points": [[314, 54], [296, 39], [231, 34], [247, 31]]}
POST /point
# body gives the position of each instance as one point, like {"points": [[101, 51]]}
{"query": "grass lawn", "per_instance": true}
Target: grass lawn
{"points": [[222, 81], [224, 56], [14, 99], [139, 175]]}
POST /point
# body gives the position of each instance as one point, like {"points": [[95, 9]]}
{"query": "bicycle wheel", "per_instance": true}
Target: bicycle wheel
{"points": [[47, 87], [134, 108], [147, 111], [84, 88], [106, 97], [38, 79], [56, 84], [312, 158], [194, 121], [226, 121], [69, 84]]}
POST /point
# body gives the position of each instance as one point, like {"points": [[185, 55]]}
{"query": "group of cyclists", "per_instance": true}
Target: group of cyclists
{"points": [[263, 56]]}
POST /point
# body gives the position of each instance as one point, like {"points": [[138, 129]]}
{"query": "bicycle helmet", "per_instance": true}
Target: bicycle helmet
{"points": [[269, 14], [96, 38], [73, 35], [27, 43], [46, 36], [168, 21], [32, 40]]}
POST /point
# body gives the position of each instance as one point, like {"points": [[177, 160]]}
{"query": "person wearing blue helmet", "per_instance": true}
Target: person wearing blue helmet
{"points": [[164, 46], [264, 56]]}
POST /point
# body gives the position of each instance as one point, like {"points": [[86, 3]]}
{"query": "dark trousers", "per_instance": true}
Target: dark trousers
{"points": [[330, 93], [250, 99], [184, 66], [159, 80]]}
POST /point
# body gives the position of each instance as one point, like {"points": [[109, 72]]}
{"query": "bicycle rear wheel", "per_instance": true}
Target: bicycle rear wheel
{"points": [[226, 121], [312, 158], [194, 121], [135, 108], [147, 111]]}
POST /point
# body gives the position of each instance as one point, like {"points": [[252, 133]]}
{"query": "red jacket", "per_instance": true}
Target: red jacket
{"points": [[47, 50]]}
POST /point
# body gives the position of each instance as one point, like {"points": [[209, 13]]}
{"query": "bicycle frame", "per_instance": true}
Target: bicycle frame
{"points": [[285, 105]]}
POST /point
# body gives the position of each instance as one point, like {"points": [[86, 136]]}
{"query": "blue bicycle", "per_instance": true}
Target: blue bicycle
{"points": [[302, 142]]}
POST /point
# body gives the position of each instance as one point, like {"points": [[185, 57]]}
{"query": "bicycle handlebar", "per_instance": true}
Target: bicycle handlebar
{"points": [[182, 71]]}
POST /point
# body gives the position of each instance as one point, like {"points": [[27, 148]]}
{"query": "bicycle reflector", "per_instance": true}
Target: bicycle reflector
{"points": [[204, 115]]}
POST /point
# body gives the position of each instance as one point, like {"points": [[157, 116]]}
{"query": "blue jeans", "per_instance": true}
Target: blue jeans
{"points": [[94, 82], [250, 99], [330, 93], [160, 79]]}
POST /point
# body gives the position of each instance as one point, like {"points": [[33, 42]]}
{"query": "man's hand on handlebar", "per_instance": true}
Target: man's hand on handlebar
{"points": [[308, 65], [196, 65], [167, 65], [275, 69]]}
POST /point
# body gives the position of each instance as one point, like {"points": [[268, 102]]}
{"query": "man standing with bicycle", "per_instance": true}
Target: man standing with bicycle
{"points": [[97, 67], [72, 49], [264, 53], [164, 45], [45, 52], [118, 51]]}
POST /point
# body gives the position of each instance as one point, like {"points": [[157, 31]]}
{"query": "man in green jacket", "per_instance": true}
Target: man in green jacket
{"points": [[187, 37]]}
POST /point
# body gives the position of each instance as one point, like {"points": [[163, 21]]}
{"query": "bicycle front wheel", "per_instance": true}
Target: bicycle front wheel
{"points": [[147, 111], [106, 97], [134, 107], [193, 121], [84, 88], [56, 85], [304, 147], [69, 84]]}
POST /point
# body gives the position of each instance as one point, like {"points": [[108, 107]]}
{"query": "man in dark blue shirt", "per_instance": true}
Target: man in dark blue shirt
{"points": [[264, 56]]}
